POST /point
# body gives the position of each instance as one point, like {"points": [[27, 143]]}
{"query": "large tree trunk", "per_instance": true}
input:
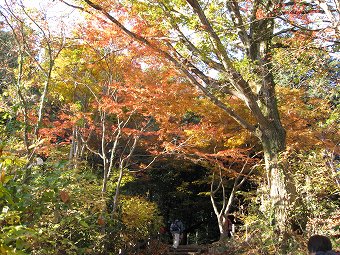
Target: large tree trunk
{"points": [[273, 143], [281, 190], [272, 136]]}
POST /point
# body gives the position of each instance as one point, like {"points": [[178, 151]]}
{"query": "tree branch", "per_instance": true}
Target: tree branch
{"points": [[235, 78], [183, 68]]}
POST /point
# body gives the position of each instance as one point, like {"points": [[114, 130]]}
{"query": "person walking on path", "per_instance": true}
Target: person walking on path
{"points": [[176, 229]]}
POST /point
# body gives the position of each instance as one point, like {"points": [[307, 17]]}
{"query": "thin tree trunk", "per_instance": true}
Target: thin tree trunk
{"points": [[42, 103], [103, 154], [23, 101], [21, 49], [123, 163], [116, 196], [76, 148], [222, 214]]}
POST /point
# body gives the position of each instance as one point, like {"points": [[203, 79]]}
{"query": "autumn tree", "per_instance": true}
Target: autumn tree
{"points": [[106, 109], [225, 49], [36, 47]]}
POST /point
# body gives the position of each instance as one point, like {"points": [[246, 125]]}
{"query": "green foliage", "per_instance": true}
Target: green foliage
{"points": [[314, 210], [314, 70], [8, 59], [317, 181], [47, 212], [55, 210], [9, 124], [191, 117]]}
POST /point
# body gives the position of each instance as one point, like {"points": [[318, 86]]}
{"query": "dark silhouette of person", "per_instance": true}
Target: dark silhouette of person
{"points": [[176, 230], [320, 245]]}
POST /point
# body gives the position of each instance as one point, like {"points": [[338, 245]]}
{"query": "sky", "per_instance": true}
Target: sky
{"points": [[54, 6], [59, 13], [56, 12]]}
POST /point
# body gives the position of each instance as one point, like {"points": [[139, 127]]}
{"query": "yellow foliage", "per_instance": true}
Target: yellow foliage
{"points": [[303, 118], [140, 218], [198, 137], [237, 140]]}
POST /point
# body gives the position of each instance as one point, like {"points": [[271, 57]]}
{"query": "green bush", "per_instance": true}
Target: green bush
{"points": [[314, 211]]}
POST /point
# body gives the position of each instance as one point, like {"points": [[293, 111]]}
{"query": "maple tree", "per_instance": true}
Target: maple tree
{"points": [[107, 109], [105, 122], [113, 99], [235, 41]]}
